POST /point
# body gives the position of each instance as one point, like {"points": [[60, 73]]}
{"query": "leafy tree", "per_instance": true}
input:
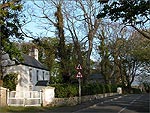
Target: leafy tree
{"points": [[58, 22], [144, 80], [133, 13], [105, 63], [134, 57], [62, 52], [47, 51], [109, 50], [48, 56], [9, 27]]}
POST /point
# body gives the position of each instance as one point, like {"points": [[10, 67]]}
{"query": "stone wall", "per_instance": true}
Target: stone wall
{"points": [[3, 97], [64, 101], [49, 99], [75, 100]]}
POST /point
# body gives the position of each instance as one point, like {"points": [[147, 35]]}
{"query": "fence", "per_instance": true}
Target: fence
{"points": [[27, 98]]}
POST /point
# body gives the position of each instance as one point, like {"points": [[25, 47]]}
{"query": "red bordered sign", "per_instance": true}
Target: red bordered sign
{"points": [[79, 67], [79, 75]]}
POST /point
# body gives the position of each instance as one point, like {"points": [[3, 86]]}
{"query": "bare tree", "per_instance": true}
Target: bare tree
{"points": [[83, 25]]}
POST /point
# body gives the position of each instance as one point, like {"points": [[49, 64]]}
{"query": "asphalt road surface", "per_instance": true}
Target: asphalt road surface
{"points": [[131, 103]]}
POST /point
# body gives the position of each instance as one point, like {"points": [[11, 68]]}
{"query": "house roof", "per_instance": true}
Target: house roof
{"points": [[96, 76], [30, 61], [42, 83]]}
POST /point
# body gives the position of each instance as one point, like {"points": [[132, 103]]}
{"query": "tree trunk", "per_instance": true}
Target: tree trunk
{"points": [[1, 74], [61, 47]]}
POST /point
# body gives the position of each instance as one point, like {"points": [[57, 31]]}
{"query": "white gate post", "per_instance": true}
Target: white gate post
{"points": [[48, 95], [119, 90]]}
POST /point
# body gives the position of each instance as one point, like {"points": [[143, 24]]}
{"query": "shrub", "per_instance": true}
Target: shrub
{"points": [[93, 88], [71, 90], [113, 88], [136, 91], [108, 88], [65, 90], [102, 86], [85, 89], [10, 81]]}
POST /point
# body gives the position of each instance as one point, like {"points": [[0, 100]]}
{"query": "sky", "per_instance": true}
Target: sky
{"points": [[35, 25]]}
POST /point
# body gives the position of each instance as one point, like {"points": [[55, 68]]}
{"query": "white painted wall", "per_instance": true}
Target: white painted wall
{"points": [[24, 83]]}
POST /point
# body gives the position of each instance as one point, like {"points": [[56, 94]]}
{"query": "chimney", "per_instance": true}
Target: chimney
{"points": [[34, 53]]}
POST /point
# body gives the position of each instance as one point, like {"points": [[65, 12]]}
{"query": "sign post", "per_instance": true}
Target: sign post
{"points": [[79, 76], [79, 90]]}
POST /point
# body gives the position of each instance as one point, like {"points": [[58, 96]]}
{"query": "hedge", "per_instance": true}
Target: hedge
{"points": [[65, 90], [71, 90]]}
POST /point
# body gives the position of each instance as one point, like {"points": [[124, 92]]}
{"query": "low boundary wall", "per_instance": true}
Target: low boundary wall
{"points": [[49, 99], [75, 100]]}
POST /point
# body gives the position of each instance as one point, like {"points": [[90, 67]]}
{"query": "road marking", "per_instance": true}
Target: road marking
{"points": [[92, 106], [130, 104], [122, 110]]}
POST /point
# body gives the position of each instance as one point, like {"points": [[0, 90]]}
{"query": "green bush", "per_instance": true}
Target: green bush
{"points": [[108, 88], [65, 90], [97, 88], [93, 88], [136, 91], [71, 90], [103, 90], [113, 88], [85, 89], [10, 81]]}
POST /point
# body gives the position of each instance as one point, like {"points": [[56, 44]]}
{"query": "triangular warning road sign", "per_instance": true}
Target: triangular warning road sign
{"points": [[79, 67], [79, 75]]}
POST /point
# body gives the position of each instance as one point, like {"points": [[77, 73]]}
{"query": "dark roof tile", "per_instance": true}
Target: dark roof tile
{"points": [[30, 61]]}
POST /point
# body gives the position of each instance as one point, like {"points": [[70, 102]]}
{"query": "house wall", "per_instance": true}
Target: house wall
{"points": [[27, 76]]}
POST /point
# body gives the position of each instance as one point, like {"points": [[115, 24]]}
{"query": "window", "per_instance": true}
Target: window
{"points": [[37, 75], [30, 74], [43, 75]]}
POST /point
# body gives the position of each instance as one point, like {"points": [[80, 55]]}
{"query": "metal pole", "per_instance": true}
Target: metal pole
{"points": [[79, 90]]}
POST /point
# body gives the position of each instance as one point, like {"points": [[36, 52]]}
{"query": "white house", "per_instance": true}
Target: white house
{"points": [[32, 75]]}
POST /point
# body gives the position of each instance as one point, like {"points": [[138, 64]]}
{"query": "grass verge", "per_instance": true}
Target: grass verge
{"points": [[20, 109]]}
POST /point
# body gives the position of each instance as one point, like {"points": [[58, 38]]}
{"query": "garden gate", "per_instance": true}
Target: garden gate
{"points": [[27, 98]]}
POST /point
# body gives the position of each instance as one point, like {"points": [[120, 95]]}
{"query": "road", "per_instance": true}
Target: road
{"points": [[131, 103]]}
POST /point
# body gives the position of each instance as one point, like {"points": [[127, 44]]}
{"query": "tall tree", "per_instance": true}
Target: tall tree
{"points": [[56, 19], [133, 57], [92, 24], [62, 53], [133, 13], [83, 25], [9, 27]]}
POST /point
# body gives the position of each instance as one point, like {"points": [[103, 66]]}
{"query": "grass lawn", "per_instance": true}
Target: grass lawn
{"points": [[20, 109]]}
